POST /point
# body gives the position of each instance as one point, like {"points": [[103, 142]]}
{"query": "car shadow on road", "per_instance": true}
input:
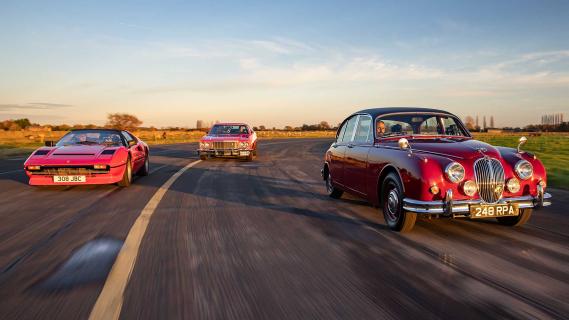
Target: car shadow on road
{"points": [[260, 192]]}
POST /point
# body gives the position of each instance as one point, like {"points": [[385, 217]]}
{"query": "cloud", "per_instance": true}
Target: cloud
{"points": [[32, 106]]}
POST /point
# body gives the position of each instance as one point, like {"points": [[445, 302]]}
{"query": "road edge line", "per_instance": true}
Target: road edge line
{"points": [[110, 300]]}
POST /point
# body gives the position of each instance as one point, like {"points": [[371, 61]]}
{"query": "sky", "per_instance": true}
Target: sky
{"points": [[279, 63]]}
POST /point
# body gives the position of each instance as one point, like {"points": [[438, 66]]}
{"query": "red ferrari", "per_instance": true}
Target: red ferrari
{"points": [[90, 156]]}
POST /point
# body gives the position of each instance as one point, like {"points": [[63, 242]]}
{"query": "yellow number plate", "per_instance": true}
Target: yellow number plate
{"points": [[493, 210]]}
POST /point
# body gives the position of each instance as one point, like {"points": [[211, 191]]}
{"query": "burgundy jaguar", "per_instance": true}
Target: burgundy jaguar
{"points": [[418, 161]]}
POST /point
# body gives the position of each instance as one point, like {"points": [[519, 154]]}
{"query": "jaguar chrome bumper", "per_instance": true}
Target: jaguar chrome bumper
{"points": [[449, 207]]}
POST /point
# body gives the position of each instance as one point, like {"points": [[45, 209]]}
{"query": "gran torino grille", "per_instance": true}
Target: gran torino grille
{"points": [[68, 171], [224, 145], [490, 179]]}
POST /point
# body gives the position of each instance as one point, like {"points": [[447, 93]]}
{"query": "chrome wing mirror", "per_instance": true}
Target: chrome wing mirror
{"points": [[404, 145], [522, 141]]}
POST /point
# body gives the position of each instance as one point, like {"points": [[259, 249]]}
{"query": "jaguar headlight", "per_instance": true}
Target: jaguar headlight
{"points": [[469, 188], [513, 185], [455, 172], [524, 169]]}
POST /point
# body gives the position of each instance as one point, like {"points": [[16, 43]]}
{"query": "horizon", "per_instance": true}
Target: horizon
{"points": [[172, 63]]}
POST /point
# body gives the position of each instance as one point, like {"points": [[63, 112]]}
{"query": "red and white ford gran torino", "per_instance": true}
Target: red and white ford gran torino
{"points": [[229, 140]]}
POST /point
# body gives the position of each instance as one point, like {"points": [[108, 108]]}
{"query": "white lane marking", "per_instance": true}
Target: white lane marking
{"points": [[8, 172], [109, 303]]}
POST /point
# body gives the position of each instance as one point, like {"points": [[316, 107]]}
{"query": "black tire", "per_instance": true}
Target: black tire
{"points": [[396, 218], [127, 175], [250, 157], [145, 170], [203, 157], [518, 220], [333, 192]]}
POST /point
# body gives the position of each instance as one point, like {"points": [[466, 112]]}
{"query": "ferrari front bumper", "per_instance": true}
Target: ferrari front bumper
{"points": [[113, 175]]}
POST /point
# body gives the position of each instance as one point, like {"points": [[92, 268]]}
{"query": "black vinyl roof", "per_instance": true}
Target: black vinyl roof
{"points": [[374, 112]]}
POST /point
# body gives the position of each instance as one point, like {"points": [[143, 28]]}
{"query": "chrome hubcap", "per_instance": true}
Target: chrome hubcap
{"points": [[146, 164], [393, 205]]}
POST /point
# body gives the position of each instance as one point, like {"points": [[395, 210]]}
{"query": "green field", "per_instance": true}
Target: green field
{"points": [[551, 149]]}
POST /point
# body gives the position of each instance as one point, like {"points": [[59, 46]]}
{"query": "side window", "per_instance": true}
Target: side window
{"points": [[363, 132], [127, 137], [349, 132], [341, 132]]}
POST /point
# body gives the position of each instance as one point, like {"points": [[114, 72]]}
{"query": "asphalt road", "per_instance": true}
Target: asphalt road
{"points": [[241, 240]]}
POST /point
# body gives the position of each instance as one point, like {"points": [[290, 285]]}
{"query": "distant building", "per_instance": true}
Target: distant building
{"points": [[200, 124], [552, 119], [492, 122]]}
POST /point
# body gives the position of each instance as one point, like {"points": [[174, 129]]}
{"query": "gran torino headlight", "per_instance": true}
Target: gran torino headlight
{"points": [[204, 145], [523, 169], [243, 145], [455, 172]]}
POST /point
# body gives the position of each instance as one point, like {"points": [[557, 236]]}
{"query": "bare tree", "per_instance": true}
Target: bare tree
{"points": [[123, 121], [324, 125], [469, 122]]}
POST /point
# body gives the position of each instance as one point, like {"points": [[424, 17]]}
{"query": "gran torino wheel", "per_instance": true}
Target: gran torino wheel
{"points": [[127, 175], [392, 198], [203, 157], [332, 191], [518, 220]]}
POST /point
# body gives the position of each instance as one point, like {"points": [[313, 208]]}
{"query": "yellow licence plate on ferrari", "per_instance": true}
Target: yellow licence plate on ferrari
{"points": [[493, 210], [64, 179]]}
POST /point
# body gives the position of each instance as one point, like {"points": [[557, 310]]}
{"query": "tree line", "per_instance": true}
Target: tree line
{"points": [[126, 121]]}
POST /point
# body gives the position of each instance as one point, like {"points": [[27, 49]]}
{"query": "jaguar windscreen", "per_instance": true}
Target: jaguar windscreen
{"points": [[419, 124]]}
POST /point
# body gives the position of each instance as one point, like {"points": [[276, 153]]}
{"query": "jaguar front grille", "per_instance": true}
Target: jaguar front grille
{"points": [[489, 178]]}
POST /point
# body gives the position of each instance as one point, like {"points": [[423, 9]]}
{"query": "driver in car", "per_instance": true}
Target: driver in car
{"points": [[380, 128]]}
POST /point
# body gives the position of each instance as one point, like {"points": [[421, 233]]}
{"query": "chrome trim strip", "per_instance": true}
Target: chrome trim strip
{"points": [[463, 206]]}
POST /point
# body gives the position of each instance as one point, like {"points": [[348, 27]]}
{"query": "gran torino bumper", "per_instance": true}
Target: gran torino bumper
{"points": [[461, 208], [225, 152]]}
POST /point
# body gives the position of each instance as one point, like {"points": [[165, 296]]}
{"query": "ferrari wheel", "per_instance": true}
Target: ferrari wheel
{"points": [[518, 220], [145, 170], [332, 191], [396, 218], [127, 175]]}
